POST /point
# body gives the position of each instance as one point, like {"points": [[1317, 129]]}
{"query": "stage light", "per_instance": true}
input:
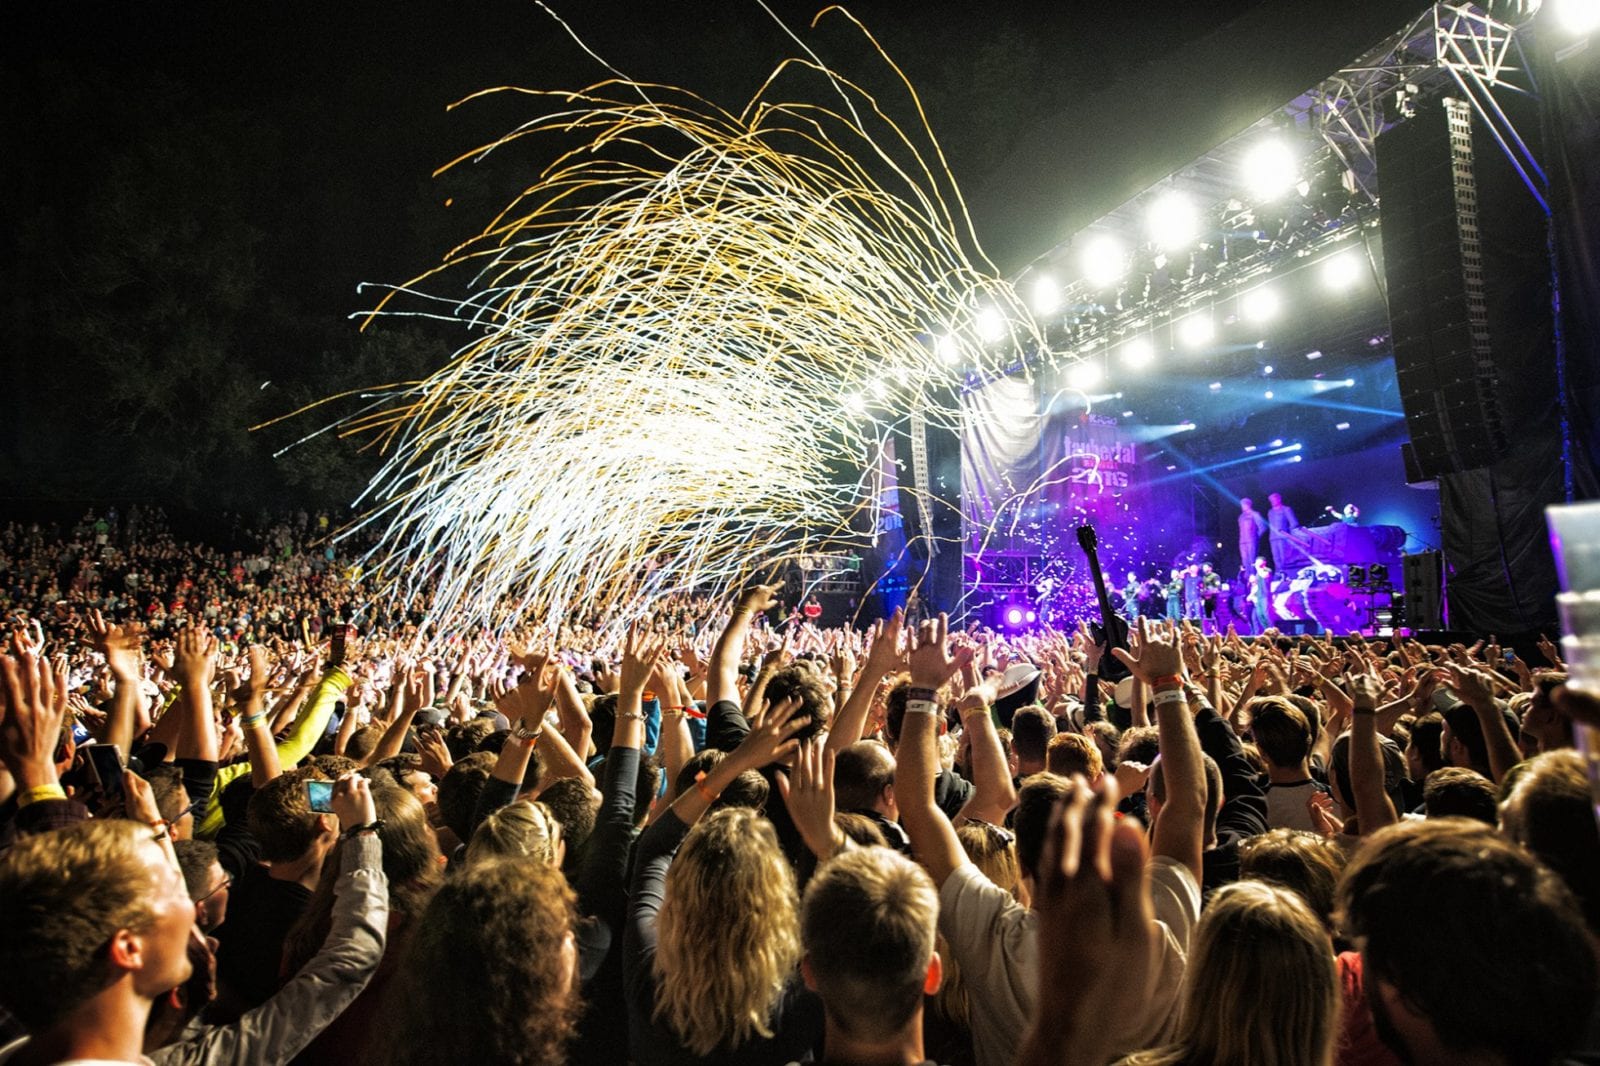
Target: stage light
{"points": [[1341, 271], [1127, 414], [948, 349], [1046, 295], [1171, 221], [1014, 616], [1138, 352], [1103, 261], [1268, 394], [1313, 355], [1249, 448], [1084, 375], [1277, 443], [1196, 330], [1215, 386], [1267, 369], [1342, 425], [1030, 616], [879, 390], [1260, 305], [1270, 169], [855, 402], [1296, 458], [1577, 17], [991, 325]]}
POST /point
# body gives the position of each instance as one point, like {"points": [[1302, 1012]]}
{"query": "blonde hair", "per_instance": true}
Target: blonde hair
{"points": [[516, 831], [728, 933], [65, 894], [1261, 988], [993, 851]]}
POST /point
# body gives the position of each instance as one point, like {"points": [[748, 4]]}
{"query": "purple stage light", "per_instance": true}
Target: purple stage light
{"points": [[1014, 616], [1031, 616]]}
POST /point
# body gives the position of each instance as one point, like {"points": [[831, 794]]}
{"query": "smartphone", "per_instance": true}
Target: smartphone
{"points": [[106, 762], [319, 794], [341, 633]]}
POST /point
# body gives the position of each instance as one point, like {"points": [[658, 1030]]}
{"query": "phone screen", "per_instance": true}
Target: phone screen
{"points": [[106, 761], [319, 794]]}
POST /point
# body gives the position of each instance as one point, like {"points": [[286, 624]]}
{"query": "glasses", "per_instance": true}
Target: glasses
{"points": [[227, 880], [998, 834]]}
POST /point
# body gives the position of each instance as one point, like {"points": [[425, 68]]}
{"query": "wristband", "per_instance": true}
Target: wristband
{"points": [[370, 827], [40, 793], [924, 694], [1166, 679], [1169, 695], [250, 721], [921, 707], [700, 786]]}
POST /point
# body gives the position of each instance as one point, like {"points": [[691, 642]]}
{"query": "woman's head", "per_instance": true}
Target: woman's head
{"points": [[728, 933], [516, 831], [494, 959], [993, 850], [1262, 988]]}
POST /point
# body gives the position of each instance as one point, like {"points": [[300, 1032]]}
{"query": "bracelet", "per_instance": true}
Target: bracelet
{"points": [[637, 716], [1166, 679], [700, 786], [522, 732], [250, 721], [357, 830], [674, 712], [921, 707], [926, 694], [1169, 695], [40, 793]]}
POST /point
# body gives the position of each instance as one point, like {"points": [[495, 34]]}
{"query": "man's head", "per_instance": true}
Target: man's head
{"points": [[749, 789], [863, 779], [1468, 945], [1281, 732], [206, 881], [1306, 863], [1074, 753], [1247, 504], [87, 908], [282, 821], [1275, 499], [867, 925], [802, 683], [172, 798], [1457, 793], [1157, 794], [1462, 742], [1031, 731], [458, 792], [1549, 811], [1424, 747]]}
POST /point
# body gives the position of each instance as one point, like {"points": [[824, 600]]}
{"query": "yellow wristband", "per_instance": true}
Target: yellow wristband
{"points": [[40, 793]]}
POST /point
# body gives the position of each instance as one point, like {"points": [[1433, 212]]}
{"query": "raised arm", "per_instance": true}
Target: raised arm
{"points": [[882, 658], [1179, 831], [258, 742], [120, 645], [1473, 686], [933, 838], [723, 673], [1374, 809], [993, 794], [196, 665]]}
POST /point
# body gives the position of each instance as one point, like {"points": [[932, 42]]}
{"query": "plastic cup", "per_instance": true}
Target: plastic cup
{"points": [[1575, 539]]}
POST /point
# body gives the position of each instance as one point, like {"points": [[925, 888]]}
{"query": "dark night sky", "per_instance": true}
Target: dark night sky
{"points": [[298, 138]]}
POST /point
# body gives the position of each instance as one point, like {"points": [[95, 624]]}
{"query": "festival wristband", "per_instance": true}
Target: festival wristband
{"points": [[40, 793], [250, 721], [1166, 679], [1169, 695], [915, 693], [921, 707]]}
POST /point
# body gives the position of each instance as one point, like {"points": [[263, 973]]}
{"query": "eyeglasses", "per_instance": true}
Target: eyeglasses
{"points": [[227, 880]]}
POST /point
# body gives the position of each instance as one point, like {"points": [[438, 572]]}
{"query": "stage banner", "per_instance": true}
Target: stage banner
{"points": [[1000, 437]]}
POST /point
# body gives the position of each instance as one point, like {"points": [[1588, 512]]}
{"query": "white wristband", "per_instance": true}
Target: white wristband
{"points": [[921, 707], [1170, 695]]}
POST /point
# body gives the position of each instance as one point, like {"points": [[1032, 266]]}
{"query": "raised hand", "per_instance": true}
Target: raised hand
{"points": [[931, 662], [809, 797], [352, 801], [884, 655], [771, 741], [36, 706], [119, 644], [195, 659], [1158, 655], [643, 653], [757, 598]]}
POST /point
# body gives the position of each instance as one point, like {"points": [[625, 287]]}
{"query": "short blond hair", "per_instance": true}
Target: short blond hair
{"points": [[868, 925], [64, 895], [519, 830]]}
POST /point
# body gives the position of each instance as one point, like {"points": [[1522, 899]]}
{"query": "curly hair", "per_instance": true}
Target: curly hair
{"points": [[492, 958], [816, 702], [728, 933]]}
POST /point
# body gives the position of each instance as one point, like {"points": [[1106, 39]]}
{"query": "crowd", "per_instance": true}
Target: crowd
{"points": [[235, 828]]}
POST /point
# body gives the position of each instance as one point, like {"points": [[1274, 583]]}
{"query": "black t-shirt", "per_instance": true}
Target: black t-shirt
{"points": [[261, 911]]}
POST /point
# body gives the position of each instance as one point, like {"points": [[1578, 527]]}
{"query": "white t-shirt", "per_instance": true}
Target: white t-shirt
{"points": [[1286, 805], [995, 941]]}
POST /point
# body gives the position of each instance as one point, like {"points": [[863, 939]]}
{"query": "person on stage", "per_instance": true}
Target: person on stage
{"points": [[1130, 597], [812, 610], [1350, 516], [1251, 526], [1281, 522], [1210, 589], [1193, 605], [1174, 592], [1261, 597]]}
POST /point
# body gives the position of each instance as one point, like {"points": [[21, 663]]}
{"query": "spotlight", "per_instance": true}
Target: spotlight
{"points": [[1084, 375], [1030, 616], [1127, 414], [1277, 443], [1196, 330], [1103, 261], [1296, 458], [1267, 369], [1215, 386], [1270, 169], [1138, 352], [1268, 394], [1313, 355], [879, 389], [1014, 616], [1342, 425], [991, 325], [1249, 448], [1046, 295], [948, 349], [1341, 271], [1577, 17], [1171, 221], [1260, 305], [855, 403]]}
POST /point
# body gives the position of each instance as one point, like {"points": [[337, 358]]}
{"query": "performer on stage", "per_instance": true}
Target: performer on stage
{"points": [[812, 610], [1210, 589], [1261, 596], [1251, 526], [1350, 516], [1130, 597], [1193, 606], [1280, 522], [1174, 591]]}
